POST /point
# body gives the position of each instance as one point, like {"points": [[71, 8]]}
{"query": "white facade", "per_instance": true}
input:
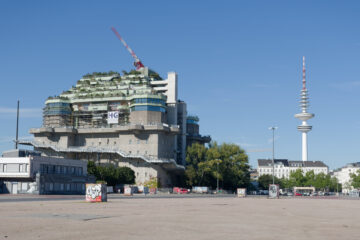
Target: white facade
{"points": [[343, 175], [42, 175], [27, 167], [283, 168]]}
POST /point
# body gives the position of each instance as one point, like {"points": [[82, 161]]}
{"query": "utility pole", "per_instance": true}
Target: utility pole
{"points": [[17, 125], [273, 152]]}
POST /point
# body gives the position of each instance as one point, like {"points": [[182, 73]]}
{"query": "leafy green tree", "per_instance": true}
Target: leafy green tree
{"points": [[355, 179], [110, 174], [266, 179], [195, 154], [320, 181], [226, 162]]}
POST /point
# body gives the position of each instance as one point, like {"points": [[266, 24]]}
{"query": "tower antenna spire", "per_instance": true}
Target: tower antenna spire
{"points": [[304, 74]]}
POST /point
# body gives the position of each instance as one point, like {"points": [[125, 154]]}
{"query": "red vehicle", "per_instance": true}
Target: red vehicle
{"points": [[298, 194], [180, 190]]}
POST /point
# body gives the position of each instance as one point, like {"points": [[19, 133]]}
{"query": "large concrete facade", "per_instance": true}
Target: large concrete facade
{"points": [[148, 134]]}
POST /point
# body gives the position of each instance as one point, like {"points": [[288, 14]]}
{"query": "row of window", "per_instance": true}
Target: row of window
{"points": [[148, 108], [148, 100], [58, 169], [286, 170], [64, 187], [14, 167], [57, 112], [130, 142], [58, 104]]}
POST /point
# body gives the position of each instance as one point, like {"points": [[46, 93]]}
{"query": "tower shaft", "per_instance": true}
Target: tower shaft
{"points": [[304, 146]]}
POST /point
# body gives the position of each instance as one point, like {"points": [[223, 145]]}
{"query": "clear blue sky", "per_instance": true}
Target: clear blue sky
{"points": [[239, 65]]}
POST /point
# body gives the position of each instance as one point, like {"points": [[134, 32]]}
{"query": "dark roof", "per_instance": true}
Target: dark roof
{"points": [[268, 162], [287, 163], [315, 164]]}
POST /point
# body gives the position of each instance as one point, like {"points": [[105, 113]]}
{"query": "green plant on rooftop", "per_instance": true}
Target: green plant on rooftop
{"points": [[134, 72], [99, 74]]}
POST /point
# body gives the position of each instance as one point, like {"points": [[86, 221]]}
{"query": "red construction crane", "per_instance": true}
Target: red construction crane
{"points": [[138, 64]]}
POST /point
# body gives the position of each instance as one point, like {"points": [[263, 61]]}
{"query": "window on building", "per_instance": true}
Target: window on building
{"points": [[129, 141], [138, 141]]}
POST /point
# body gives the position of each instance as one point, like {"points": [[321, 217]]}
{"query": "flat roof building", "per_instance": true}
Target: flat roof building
{"points": [[24, 171]]}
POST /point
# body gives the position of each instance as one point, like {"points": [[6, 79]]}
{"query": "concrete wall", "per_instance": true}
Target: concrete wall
{"points": [[147, 117]]}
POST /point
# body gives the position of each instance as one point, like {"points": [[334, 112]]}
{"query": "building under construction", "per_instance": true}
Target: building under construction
{"points": [[134, 120]]}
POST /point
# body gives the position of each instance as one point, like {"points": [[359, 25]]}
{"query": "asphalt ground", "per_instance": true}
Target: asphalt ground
{"points": [[178, 217]]}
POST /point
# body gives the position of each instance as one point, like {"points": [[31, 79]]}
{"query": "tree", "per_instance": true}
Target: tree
{"points": [[110, 174], [195, 154], [266, 179], [355, 179], [226, 162]]}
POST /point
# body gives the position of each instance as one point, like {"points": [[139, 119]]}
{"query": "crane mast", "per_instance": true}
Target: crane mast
{"points": [[138, 64]]}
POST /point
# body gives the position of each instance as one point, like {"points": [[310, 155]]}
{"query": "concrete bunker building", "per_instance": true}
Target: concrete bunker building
{"points": [[134, 120]]}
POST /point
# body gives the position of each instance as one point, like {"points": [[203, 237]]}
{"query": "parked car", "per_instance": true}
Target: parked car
{"points": [[298, 194], [180, 190]]}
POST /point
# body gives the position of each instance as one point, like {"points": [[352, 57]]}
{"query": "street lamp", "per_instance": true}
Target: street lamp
{"points": [[273, 152], [217, 175]]}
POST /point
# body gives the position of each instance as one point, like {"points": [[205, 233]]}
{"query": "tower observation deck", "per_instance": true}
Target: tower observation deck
{"points": [[304, 128]]}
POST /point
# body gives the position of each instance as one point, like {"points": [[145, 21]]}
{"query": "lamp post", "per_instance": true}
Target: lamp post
{"points": [[217, 177], [273, 152]]}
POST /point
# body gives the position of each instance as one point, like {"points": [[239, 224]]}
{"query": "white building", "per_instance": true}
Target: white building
{"points": [[283, 167], [41, 175], [343, 175]]}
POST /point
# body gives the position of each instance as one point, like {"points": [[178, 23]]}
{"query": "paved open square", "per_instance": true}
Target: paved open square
{"points": [[182, 218]]}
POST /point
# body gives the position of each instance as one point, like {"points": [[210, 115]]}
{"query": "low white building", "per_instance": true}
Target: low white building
{"points": [[283, 167], [41, 175], [343, 175]]}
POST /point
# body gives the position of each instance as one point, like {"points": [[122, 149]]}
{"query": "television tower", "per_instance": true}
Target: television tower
{"points": [[304, 128]]}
